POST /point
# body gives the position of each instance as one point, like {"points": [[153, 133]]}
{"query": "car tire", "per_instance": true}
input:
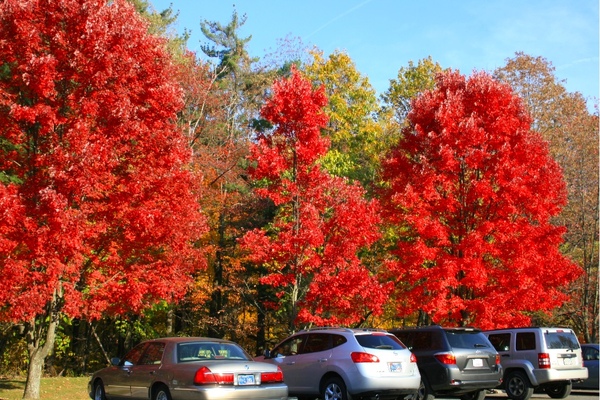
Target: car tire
{"points": [[559, 390], [476, 395], [518, 386], [99, 393], [424, 392], [161, 393], [334, 389]]}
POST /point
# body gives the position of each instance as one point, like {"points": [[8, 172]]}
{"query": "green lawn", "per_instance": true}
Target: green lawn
{"points": [[51, 388]]}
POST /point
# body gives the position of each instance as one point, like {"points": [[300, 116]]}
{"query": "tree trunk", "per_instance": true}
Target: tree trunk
{"points": [[34, 375], [41, 335]]}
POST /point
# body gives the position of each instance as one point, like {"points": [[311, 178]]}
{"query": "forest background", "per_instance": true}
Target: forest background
{"points": [[332, 199]]}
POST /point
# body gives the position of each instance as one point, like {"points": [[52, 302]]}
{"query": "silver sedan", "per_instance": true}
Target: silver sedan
{"points": [[195, 368]]}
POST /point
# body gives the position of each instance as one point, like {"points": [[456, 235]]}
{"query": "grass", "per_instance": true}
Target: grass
{"points": [[50, 389]]}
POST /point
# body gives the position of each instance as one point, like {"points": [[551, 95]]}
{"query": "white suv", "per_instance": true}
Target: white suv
{"points": [[548, 359], [338, 363]]}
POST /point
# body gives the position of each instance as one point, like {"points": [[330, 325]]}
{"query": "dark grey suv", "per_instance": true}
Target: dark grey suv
{"points": [[453, 361]]}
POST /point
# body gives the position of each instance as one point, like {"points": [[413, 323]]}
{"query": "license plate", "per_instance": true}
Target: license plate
{"points": [[246, 380], [477, 362], [395, 367], [567, 361]]}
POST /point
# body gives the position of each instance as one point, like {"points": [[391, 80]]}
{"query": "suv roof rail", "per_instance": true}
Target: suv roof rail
{"points": [[343, 328], [416, 327], [532, 327], [322, 328]]}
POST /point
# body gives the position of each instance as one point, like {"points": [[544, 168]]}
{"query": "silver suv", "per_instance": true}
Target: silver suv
{"points": [[339, 363], [546, 359]]}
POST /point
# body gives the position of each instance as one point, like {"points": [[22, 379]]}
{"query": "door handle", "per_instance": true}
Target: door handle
{"points": [[322, 360], [291, 363]]}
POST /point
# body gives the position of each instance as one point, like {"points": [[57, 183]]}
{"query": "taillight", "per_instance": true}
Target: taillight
{"points": [[358, 357], [413, 358], [497, 359], [544, 361], [204, 376], [272, 377], [446, 358]]}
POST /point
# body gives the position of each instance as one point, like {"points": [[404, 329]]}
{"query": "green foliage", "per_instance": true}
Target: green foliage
{"points": [[357, 139], [411, 81], [226, 46]]}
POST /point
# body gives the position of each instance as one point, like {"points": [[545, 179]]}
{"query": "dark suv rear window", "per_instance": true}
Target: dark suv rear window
{"points": [[378, 341], [561, 340], [467, 339]]}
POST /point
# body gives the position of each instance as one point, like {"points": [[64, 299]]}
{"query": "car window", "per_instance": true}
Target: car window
{"points": [[590, 353], [196, 351], [561, 340], [467, 339], [290, 347], [337, 340], [406, 338], [380, 341], [133, 357], [500, 341], [525, 341], [152, 354], [426, 340], [229, 351], [317, 342]]}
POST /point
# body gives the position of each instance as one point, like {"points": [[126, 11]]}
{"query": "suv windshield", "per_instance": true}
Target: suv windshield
{"points": [[561, 340], [466, 339], [379, 342]]}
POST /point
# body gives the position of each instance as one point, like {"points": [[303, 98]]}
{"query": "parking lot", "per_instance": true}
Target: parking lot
{"points": [[575, 395]]}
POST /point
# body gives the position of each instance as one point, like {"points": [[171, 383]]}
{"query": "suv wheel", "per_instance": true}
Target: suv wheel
{"points": [[476, 395], [559, 390], [518, 386], [334, 389], [424, 392]]}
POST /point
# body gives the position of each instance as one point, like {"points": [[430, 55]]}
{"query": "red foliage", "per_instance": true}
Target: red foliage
{"points": [[97, 205], [311, 248], [475, 189]]}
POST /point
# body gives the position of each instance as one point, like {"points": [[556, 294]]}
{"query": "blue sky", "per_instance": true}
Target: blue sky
{"points": [[381, 36]]}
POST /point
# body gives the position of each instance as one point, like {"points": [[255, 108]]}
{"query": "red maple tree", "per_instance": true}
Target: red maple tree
{"points": [[473, 191], [97, 206], [310, 249]]}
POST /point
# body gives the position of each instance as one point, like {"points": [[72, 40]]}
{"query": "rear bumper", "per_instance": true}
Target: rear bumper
{"points": [[388, 386], [271, 392], [460, 387], [555, 375], [457, 382]]}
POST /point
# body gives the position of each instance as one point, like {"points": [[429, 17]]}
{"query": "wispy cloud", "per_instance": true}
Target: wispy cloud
{"points": [[342, 15]]}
